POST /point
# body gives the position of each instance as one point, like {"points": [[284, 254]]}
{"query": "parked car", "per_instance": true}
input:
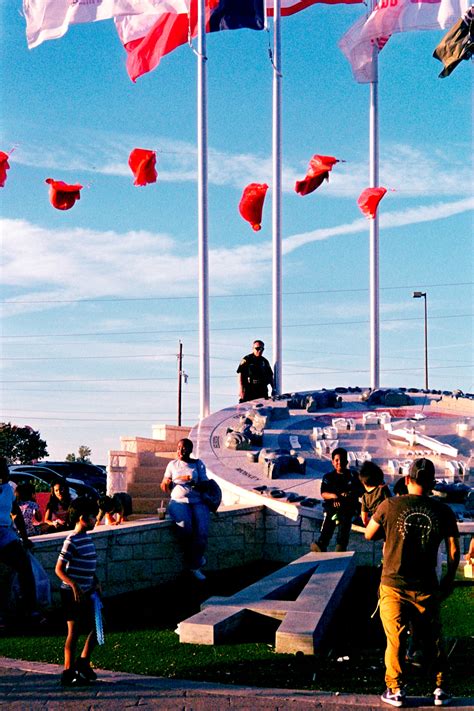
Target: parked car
{"points": [[82, 471], [42, 479]]}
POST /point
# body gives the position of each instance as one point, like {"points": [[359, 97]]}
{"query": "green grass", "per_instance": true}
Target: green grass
{"points": [[140, 640]]}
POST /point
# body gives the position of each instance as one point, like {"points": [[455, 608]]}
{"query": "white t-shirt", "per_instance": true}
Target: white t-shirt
{"points": [[179, 473]]}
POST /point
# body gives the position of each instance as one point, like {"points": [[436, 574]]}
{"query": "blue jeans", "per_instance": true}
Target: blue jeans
{"points": [[193, 522]]}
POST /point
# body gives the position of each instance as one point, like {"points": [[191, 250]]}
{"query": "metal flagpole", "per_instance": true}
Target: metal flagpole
{"points": [[276, 202], [202, 214], [374, 227]]}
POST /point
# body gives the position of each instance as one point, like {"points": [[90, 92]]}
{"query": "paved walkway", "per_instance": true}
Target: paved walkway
{"points": [[31, 686]]}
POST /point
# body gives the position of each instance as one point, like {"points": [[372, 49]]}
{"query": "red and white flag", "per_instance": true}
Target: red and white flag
{"points": [[50, 19], [148, 38], [389, 17], [289, 7]]}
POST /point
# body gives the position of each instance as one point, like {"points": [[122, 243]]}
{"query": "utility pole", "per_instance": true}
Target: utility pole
{"points": [[180, 379]]}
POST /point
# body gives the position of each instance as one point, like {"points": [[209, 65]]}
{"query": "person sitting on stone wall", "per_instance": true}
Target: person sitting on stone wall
{"points": [[186, 507]]}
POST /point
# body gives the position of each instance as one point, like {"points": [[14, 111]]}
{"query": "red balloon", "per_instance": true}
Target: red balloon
{"points": [[369, 199], [4, 166], [318, 170], [61, 195], [251, 204], [142, 163]]}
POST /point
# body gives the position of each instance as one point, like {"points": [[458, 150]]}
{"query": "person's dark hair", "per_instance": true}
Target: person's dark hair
{"points": [[188, 442], [4, 470], [422, 472], [371, 474], [82, 506], [53, 501], [25, 492], [341, 452], [400, 488], [106, 504]]}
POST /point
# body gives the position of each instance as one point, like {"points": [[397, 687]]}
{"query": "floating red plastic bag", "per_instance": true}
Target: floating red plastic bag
{"points": [[369, 201], [61, 195], [251, 204], [142, 164], [318, 170], [4, 166]]}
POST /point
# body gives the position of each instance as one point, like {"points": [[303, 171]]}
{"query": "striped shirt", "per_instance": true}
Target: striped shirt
{"points": [[79, 553]]}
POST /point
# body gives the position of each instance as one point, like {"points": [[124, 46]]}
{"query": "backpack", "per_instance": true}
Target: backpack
{"points": [[211, 493]]}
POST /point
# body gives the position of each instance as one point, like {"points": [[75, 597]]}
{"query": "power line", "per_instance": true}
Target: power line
{"points": [[324, 371], [120, 299], [324, 324]]}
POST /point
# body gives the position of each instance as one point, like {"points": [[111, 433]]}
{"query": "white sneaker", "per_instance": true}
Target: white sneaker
{"points": [[199, 575], [441, 698]]}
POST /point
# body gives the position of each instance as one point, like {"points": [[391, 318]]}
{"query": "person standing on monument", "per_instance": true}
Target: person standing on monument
{"points": [[255, 374], [414, 526], [340, 491]]}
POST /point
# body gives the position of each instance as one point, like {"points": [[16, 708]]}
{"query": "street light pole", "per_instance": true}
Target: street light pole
{"points": [[422, 295], [180, 380]]}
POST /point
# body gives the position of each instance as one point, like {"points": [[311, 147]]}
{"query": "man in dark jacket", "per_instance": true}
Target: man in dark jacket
{"points": [[255, 374], [414, 526]]}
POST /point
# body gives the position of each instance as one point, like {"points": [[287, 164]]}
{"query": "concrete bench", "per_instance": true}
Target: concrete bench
{"points": [[303, 595]]}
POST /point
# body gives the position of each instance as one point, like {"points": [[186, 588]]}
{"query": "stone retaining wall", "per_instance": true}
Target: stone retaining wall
{"points": [[145, 553]]}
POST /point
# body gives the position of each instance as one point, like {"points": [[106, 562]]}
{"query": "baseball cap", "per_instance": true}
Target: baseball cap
{"points": [[422, 472]]}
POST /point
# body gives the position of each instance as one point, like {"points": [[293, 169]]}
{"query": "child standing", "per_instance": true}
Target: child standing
{"points": [[25, 495], [76, 568], [376, 490]]}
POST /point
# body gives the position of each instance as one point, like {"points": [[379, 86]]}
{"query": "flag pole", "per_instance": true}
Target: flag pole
{"points": [[276, 202], [203, 257], [374, 226]]}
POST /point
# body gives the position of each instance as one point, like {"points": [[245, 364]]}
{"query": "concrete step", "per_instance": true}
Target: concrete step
{"points": [[144, 490], [152, 471], [142, 505]]}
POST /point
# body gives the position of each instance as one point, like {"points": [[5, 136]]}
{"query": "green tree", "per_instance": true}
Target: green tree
{"points": [[21, 445], [84, 453]]}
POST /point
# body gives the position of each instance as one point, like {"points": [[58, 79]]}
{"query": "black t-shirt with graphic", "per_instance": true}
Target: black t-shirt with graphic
{"points": [[414, 528]]}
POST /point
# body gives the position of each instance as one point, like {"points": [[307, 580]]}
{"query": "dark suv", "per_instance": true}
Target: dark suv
{"points": [[82, 471]]}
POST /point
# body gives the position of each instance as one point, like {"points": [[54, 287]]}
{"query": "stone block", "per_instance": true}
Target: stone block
{"points": [[211, 626], [289, 536], [150, 535], [122, 553]]}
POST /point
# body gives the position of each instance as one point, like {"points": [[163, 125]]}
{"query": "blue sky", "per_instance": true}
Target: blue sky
{"points": [[95, 299]]}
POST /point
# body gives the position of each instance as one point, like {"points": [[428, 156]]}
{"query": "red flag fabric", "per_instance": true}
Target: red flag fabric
{"points": [[318, 170], [251, 204], [61, 195], [4, 166], [369, 199], [164, 34], [142, 163]]}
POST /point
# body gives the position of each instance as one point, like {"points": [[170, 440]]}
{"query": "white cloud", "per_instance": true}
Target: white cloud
{"points": [[407, 169], [412, 216], [45, 263]]}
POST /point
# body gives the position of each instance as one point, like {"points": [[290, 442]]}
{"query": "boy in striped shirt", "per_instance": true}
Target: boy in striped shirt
{"points": [[76, 568]]}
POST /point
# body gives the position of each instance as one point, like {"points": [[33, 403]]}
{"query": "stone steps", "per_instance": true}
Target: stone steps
{"points": [[144, 490], [148, 504]]}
